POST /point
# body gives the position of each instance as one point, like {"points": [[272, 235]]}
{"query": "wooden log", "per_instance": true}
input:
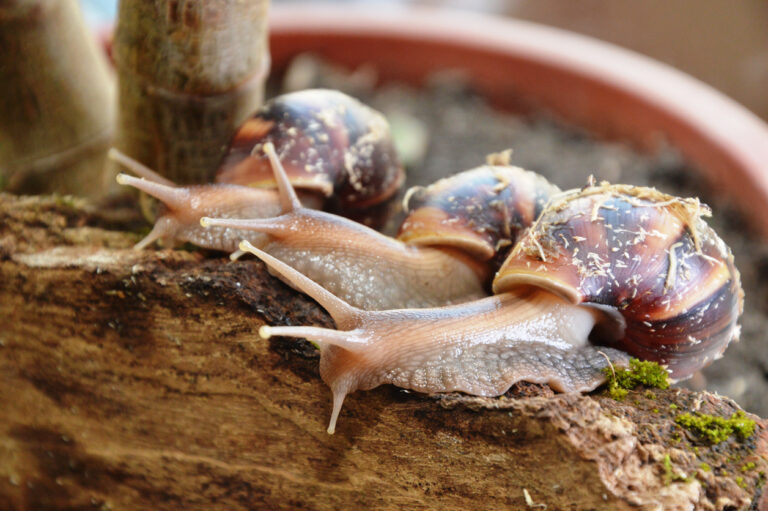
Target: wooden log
{"points": [[135, 380], [189, 72]]}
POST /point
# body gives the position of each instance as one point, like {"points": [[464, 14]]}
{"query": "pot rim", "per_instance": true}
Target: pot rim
{"points": [[607, 89]]}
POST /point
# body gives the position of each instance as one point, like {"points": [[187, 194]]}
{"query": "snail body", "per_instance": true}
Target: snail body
{"points": [[481, 347], [339, 151], [183, 207], [565, 288], [364, 267], [375, 272], [443, 259]]}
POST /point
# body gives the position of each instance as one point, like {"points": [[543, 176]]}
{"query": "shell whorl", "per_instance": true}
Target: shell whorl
{"points": [[480, 211], [650, 257], [327, 141]]}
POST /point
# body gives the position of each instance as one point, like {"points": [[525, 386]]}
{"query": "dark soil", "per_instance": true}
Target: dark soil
{"points": [[459, 129]]}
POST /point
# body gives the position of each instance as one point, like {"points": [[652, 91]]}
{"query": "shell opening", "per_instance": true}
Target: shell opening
{"points": [[610, 325]]}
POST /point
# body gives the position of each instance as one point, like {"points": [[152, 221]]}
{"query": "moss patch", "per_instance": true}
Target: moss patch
{"points": [[670, 475], [640, 372], [717, 429]]}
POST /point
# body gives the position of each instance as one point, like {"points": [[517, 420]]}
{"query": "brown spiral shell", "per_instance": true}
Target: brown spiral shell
{"points": [[644, 254], [480, 211], [326, 140]]}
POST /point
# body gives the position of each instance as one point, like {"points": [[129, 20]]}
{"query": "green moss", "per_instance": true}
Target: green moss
{"points": [[705, 467], [65, 201], [650, 395], [669, 474], [748, 466], [640, 372], [673, 406], [740, 481], [717, 429], [617, 393]]}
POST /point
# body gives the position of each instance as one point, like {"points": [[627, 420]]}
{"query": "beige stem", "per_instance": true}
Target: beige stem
{"points": [[189, 72], [56, 98]]}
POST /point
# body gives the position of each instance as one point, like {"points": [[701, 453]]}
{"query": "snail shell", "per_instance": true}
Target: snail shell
{"points": [[480, 211], [327, 141], [643, 255]]}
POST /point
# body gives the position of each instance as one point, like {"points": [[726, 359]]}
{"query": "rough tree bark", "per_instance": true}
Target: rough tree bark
{"points": [[189, 72], [135, 380], [56, 98]]}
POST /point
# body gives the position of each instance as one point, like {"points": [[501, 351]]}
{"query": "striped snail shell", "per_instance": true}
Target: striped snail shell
{"points": [[327, 141], [648, 259], [480, 211]]}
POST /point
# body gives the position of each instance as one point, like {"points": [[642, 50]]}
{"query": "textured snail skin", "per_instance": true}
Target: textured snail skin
{"points": [[360, 265], [480, 347], [327, 141], [647, 256], [183, 206], [374, 272]]}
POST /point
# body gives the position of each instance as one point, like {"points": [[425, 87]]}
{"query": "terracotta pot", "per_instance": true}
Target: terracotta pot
{"points": [[610, 91]]}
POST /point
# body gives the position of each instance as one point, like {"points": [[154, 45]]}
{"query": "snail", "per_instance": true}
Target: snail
{"points": [[328, 142], [445, 261], [630, 268], [335, 149], [445, 244]]}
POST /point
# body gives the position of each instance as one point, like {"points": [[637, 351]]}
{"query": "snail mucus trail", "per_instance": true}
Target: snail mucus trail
{"points": [[639, 267]]}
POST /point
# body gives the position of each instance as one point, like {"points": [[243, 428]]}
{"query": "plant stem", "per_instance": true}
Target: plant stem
{"points": [[189, 72], [55, 100]]}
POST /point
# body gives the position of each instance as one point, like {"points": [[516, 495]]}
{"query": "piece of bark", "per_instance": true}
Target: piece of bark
{"points": [[136, 380], [189, 72], [56, 96]]}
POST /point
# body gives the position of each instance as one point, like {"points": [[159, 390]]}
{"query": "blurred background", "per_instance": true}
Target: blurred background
{"points": [[720, 42]]}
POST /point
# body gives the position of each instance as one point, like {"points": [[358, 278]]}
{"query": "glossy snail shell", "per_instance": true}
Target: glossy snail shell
{"points": [[480, 211], [327, 141], [647, 256]]}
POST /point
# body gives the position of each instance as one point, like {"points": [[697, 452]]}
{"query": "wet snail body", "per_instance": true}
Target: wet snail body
{"points": [[446, 243], [375, 272], [636, 271]]}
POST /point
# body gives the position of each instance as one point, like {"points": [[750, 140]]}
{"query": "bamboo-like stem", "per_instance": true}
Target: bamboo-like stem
{"points": [[56, 98], [189, 72]]}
